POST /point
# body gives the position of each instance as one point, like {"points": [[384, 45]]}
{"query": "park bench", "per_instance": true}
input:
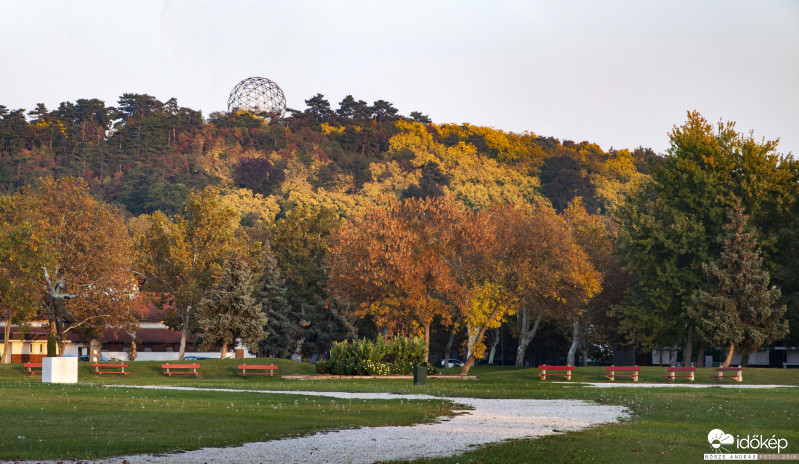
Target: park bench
{"points": [[257, 367], [170, 369], [738, 377], [120, 369], [613, 369], [673, 370], [31, 366], [544, 368]]}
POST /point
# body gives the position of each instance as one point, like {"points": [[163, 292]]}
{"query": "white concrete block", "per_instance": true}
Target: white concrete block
{"points": [[60, 370]]}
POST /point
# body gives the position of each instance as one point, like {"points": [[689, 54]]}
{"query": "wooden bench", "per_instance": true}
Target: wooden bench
{"points": [[738, 377], [672, 370], [544, 368], [257, 367], [119, 371], [613, 369], [169, 369], [31, 366]]}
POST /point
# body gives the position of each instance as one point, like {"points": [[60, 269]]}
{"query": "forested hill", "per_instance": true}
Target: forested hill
{"points": [[147, 155]]}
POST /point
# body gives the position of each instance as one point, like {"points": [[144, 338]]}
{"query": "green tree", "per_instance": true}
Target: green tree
{"points": [[299, 243], [383, 111], [229, 311], [739, 309], [270, 293], [318, 108], [419, 117], [183, 256], [668, 228]]}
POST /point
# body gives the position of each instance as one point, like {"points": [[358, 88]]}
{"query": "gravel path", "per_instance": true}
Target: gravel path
{"points": [[681, 385], [490, 421]]}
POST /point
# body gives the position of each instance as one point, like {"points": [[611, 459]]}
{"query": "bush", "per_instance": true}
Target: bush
{"points": [[383, 356]]}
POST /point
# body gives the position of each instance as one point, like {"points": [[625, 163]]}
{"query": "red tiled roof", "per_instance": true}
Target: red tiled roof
{"points": [[145, 335], [34, 334]]}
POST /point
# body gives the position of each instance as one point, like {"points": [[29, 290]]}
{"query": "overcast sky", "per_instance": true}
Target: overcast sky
{"points": [[617, 73]]}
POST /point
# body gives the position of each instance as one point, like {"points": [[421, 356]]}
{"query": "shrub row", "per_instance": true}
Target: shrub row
{"points": [[383, 356]]}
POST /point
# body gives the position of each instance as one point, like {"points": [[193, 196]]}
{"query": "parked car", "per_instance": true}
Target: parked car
{"points": [[452, 363], [194, 358]]}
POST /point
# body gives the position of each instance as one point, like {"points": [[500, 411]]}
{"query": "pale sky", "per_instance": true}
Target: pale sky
{"points": [[617, 73]]}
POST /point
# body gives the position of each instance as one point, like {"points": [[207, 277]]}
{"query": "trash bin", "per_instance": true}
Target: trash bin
{"points": [[420, 373]]}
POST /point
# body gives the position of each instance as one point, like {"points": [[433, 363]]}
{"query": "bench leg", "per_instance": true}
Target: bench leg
{"points": [[612, 376], [691, 377], [568, 375], [635, 377], [544, 374]]}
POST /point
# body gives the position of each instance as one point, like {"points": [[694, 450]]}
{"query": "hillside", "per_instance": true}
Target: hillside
{"points": [[147, 155]]}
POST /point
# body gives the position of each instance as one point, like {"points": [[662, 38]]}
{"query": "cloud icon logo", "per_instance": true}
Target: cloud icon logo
{"points": [[717, 437]]}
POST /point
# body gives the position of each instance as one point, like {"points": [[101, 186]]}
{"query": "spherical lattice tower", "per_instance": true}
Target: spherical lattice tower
{"points": [[259, 96]]}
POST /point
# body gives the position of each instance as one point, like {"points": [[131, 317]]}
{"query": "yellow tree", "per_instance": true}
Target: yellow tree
{"points": [[592, 234], [20, 261], [87, 248], [183, 256]]}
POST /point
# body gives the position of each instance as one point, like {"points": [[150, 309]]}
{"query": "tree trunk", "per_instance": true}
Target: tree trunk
{"points": [[494, 347], [448, 350], [673, 357], [52, 344], [689, 345], [583, 348], [744, 360], [426, 342], [727, 361], [184, 333], [700, 356], [575, 339], [7, 343], [133, 349], [224, 349], [526, 336], [480, 334]]}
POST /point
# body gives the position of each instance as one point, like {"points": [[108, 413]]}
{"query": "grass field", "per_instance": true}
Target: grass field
{"points": [[668, 424]]}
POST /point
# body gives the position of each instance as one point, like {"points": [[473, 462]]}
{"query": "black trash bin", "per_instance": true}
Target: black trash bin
{"points": [[420, 373]]}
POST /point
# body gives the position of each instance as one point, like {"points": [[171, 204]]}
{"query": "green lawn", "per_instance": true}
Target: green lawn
{"points": [[668, 424]]}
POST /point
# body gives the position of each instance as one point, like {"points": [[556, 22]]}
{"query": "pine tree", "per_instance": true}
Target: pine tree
{"points": [[740, 309], [230, 312], [271, 295]]}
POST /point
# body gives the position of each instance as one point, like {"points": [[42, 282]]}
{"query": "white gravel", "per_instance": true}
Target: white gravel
{"points": [[490, 421]]}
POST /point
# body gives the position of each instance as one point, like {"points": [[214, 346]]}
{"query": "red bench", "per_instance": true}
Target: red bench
{"points": [[613, 369], [31, 366], [169, 369], [672, 370], [257, 367], [544, 368], [119, 371], [738, 377]]}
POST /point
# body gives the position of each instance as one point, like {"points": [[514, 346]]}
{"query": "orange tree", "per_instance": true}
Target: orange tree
{"points": [[84, 242], [522, 259], [395, 264]]}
